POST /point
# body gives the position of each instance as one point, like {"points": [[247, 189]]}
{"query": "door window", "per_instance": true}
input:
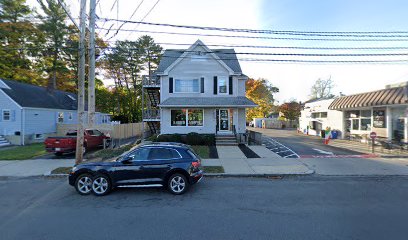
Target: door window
{"points": [[163, 154], [224, 120], [140, 154]]}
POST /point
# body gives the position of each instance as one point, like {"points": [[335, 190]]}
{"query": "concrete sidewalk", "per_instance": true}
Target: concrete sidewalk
{"points": [[28, 168], [259, 166]]}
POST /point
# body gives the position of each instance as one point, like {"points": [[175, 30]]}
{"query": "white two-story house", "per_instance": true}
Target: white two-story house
{"points": [[200, 90]]}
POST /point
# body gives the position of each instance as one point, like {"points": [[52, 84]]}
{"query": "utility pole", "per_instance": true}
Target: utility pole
{"points": [[91, 75], [81, 85]]}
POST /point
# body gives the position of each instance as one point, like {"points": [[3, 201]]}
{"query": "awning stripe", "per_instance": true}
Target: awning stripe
{"points": [[389, 96]]}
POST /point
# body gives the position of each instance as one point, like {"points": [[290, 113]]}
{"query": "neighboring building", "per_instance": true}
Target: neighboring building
{"points": [[383, 111], [29, 113], [317, 116], [197, 90]]}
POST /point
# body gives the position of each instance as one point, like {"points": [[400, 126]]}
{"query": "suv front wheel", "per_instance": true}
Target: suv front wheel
{"points": [[177, 184]]}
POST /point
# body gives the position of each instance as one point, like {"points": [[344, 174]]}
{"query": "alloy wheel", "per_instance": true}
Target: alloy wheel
{"points": [[177, 184], [84, 185], [100, 185]]}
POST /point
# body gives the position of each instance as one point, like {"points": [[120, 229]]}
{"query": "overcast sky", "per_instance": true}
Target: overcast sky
{"points": [[293, 80]]}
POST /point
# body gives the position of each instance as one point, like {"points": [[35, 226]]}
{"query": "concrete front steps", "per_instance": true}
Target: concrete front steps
{"points": [[225, 140], [3, 142]]}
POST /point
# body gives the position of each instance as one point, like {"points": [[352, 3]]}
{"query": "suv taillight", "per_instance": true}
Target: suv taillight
{"points": [[196, 164]]}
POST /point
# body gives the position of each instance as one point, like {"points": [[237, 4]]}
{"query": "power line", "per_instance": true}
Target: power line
{"points": [[289, 47], [145, 16], [134, 12], [261, 37], [384, 34]]}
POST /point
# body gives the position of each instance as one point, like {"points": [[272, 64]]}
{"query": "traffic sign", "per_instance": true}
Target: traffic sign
{"points": [[373, 135]]}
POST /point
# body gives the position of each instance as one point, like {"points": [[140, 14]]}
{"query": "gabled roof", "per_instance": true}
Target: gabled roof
{"points": [[207, 102], [388, 96], [31, 96], [227, 56]]}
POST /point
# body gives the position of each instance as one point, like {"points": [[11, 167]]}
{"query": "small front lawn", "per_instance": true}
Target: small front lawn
{"points": [[62, 170], [213, 169], [23, 152], [202, 151]]}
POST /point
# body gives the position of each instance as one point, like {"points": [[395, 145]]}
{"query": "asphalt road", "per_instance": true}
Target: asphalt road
{"points": [[302, 144], [217, 208]]}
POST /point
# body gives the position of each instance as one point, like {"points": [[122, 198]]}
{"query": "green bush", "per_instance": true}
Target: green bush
{"points": [[194, 138], [190, 139]]}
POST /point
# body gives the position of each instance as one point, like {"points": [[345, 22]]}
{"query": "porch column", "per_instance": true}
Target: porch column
{"points": [[235, 118], [388, 113]]}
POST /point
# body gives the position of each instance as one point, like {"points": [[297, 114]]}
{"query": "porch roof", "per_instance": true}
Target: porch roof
{"points": [[388, 96], [208, 102]]}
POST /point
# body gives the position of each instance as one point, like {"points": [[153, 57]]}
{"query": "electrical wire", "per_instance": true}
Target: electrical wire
{"points": [[279, 32], [260, 37]]}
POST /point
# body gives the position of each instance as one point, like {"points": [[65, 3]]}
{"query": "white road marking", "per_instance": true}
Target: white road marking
{"points": [[323, 152]]}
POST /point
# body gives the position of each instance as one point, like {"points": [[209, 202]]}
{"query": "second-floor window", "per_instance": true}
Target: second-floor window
{"points": [[222, 85], [186, 85]]}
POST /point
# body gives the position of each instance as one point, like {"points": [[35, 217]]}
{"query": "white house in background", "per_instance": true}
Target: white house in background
{"points": [[197, 90], [383, 111], [29, 113], [317, 116]]}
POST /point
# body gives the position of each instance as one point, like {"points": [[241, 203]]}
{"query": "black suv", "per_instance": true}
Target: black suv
{"points": [[173, 165]]}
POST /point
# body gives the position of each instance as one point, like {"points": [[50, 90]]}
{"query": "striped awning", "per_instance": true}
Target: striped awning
{"points": [[389, 96]]}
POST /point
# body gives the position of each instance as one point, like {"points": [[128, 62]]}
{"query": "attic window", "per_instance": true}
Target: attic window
{"points": [[198, 56], [71, 97]]}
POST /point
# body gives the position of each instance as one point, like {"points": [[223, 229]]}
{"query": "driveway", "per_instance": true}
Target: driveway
{"points": [[299, 144]]}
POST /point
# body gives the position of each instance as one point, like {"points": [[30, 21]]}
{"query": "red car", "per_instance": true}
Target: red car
{"points": [[92, 139]]}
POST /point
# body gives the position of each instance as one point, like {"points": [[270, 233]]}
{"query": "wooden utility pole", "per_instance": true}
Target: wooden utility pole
{"points": [[81, 85], [91, 75]]}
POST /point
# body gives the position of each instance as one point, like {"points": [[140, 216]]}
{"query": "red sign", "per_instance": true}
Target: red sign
{"points": [[373, 135]]}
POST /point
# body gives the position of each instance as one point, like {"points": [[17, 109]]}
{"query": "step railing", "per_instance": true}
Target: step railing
{"points": [[151, 114], [150, 81]]}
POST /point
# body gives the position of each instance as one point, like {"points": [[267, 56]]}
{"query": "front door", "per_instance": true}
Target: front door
{"points": [[224, 124]]}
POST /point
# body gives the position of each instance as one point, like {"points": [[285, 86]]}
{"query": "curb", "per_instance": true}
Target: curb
{"points": [[309, 172]]}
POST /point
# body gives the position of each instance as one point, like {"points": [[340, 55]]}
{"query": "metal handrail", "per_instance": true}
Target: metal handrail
{"points": [[150, 81], [151, 114]]}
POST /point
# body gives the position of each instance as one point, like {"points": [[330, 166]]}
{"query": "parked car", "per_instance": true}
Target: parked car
{"points": [[172, 165], [92, 139]]}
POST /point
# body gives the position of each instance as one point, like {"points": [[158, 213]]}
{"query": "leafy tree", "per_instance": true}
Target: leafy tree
{"points": [[20, 42], [126, 63], [261, 93], [290, 110], [322, 88], [56, 30]]}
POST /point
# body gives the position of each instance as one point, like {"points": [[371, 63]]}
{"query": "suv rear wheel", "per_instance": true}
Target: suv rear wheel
{"points": [[177, 184]]}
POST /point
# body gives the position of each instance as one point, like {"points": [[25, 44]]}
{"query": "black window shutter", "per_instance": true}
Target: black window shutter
{"points": [[215, 84], [230, 85], [171, 85], [202, 85]]}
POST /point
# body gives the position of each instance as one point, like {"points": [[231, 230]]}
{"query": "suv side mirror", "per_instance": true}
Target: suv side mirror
{"points": [[127, 160]]}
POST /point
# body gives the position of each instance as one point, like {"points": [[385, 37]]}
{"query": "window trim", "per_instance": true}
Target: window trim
{"points": [[192, 79], [58, 113], [187, 116], [226, 85], [9, 115]]}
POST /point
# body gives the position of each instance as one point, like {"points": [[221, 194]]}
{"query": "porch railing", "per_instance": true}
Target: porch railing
{"points": [[151, 114], [150, 81]]}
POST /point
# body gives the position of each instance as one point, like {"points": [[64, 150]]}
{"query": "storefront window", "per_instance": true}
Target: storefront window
{"points": [[379, 118], [365, 124], [195, 117], [355, 124], [178, 117]]}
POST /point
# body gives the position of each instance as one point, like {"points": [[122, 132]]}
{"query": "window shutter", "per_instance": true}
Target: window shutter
{"points": [[215, 84], [202, 85], [171, 85], [230, 85]]}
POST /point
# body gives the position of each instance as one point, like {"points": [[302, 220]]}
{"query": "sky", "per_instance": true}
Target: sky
{"points": [[293, 79]]}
